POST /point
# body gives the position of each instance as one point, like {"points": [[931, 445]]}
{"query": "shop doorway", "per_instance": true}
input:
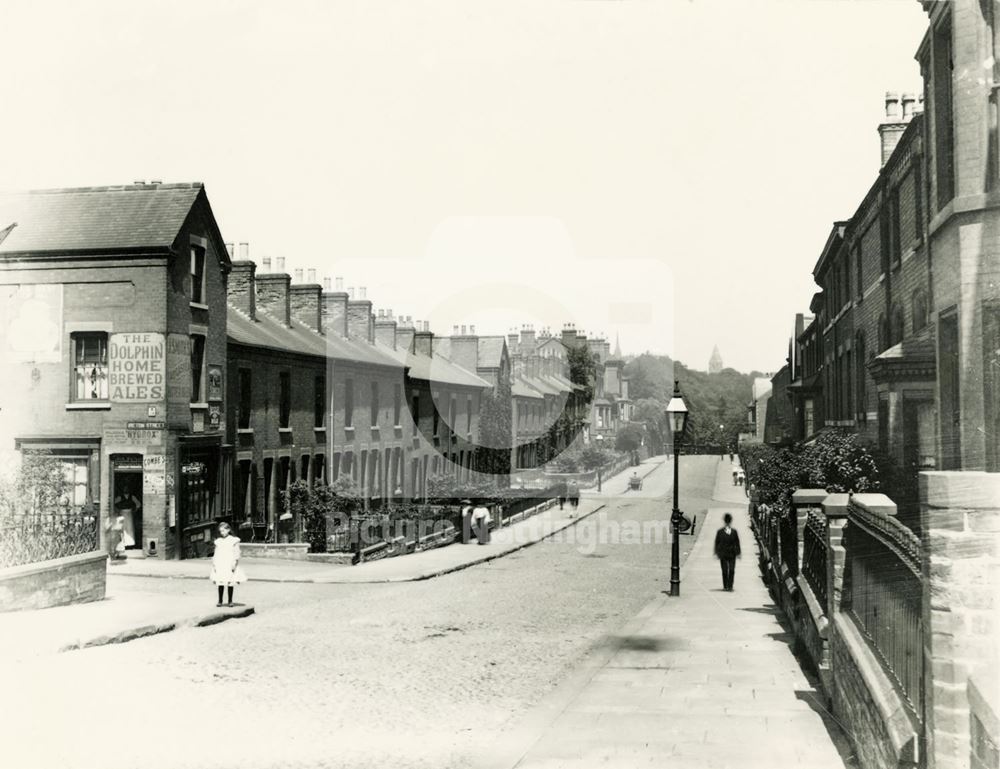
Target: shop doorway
{"points": [[126, 496]]}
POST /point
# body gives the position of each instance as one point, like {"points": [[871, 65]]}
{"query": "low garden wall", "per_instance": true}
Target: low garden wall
{"points": [[71, 579]]}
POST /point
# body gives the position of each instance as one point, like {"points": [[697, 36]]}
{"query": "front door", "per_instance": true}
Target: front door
{"points": [[126, 496], [197, 499]]}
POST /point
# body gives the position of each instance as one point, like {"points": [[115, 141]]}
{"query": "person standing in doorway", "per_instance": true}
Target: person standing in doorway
{"points": [[727, 550], [127, 507], [574, 495], [226, 570]]}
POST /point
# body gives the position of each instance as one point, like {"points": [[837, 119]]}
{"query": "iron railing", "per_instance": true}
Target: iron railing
{"points": [[814, 541], [37, 538], [882, 593], [788, 538]]}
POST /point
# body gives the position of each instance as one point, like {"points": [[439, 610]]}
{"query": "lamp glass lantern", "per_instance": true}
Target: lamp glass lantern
{"points": [[677, 411]]}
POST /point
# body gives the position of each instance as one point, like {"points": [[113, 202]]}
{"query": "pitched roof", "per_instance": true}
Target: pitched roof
{"points": [[267, 331], [432, 369], [96, 219], [491, 351], [521, 389]]}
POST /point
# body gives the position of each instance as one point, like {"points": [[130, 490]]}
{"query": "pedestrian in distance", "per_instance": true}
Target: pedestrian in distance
{"points": [[574, 495], [466, 521], [226, 569], [727, 550], [481, 523], [736, 475], [561, 493]]}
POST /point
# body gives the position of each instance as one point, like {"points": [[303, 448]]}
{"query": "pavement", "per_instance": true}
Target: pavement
{"points": [[706, 679], [426, 564], [123, 615], [127, 614]]}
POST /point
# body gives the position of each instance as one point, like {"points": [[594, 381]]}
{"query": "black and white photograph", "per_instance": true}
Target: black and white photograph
{"points": [[500, 384]]}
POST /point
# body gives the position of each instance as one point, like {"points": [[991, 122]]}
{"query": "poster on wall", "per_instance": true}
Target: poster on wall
{"points": [[214, 383], [214, 416], [136, 367]]}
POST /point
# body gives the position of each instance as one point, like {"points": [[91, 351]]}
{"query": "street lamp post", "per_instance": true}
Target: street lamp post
{"points": [[677, 413]]}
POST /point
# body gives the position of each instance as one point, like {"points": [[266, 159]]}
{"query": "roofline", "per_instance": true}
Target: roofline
{"points": [[75, 253], [836, 232]]}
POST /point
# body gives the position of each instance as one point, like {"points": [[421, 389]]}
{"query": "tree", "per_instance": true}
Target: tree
{"points": [[495, 432], [629, 437], [582, 369]]}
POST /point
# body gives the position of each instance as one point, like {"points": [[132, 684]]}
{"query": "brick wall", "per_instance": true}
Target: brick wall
{"points": [[73, 579]]}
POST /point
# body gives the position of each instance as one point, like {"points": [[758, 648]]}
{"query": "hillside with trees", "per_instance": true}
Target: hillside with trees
{"points": [[713, 399]]}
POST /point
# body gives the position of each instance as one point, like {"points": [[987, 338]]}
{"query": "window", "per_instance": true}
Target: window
{"points": [[284, 398], [809, 417], [197, 367], [896, 327], [468, 414], [919, 310], [895, 248], [437, 419], [374, 411], [319, 401], [859, 362], [76, 474], [245, 398], [416, 414], [197, 274], [941, 85], [859, 287], [397, 403], [349, 404], [883, 334], [90, 367], [452, 409], [949, 388], [918, 202]]}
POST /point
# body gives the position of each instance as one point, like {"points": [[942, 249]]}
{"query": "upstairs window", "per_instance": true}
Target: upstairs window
{"points": [[375, 405], [284, 398], [349, 403], [416, 414], [319, 401], [397, 404], [245, 398], [895, 247], [197, 274], [90, 366], [942, 73], [859, 272], [919, 310], [468, 414], [197, 367]]}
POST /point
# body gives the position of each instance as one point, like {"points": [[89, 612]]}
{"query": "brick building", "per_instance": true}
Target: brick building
{"points": [[114, 340]]}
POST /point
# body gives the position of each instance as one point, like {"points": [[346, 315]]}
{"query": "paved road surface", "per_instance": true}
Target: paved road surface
{"points": [[401, 675]]}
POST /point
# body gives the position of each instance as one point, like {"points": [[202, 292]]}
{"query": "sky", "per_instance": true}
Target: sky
{"points": [[665, 172]]}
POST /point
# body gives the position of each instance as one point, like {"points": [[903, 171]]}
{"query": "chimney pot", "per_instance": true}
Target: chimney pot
{"points": [[231, 250], [267, 263], [463, 330], [454, 330], [298, 275], [326, 284], [340, 284], [311, 274], [350, 291], [244, 251], [892, 111], [364, 293], [280, 263], [472, 330]]}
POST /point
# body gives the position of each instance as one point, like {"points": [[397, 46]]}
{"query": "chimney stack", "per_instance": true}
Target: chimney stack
{"points": [[404, 334], [423, 339], [385, 329], [359, 320], [465, 350], [273, 296], [895, 122], [334, 313], [306, 302], [527, 340], [241, 292]]}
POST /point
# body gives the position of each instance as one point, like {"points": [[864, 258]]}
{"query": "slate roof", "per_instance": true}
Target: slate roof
{"points": [[96, 219], [435, 369], [267, 331], [521, 389], [491, 351]]}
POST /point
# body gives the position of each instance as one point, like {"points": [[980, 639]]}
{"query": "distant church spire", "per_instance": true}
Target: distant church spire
{"points": [[618, 348], [715, 362]]}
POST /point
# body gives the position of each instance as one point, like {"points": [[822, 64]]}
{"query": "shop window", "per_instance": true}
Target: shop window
{"points": [[284, 398], [90, 366], [245, 398], [197, 367], [197, 275]]}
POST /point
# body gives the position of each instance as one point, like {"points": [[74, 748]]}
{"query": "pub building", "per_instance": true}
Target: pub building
{"points": [[113, 340]]}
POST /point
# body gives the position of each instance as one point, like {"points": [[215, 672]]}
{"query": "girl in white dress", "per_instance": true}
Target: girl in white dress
{"points": [[226, 571]]}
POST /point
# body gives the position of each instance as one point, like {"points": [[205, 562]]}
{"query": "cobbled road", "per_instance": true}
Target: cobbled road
{"points": [[395, 675]]}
